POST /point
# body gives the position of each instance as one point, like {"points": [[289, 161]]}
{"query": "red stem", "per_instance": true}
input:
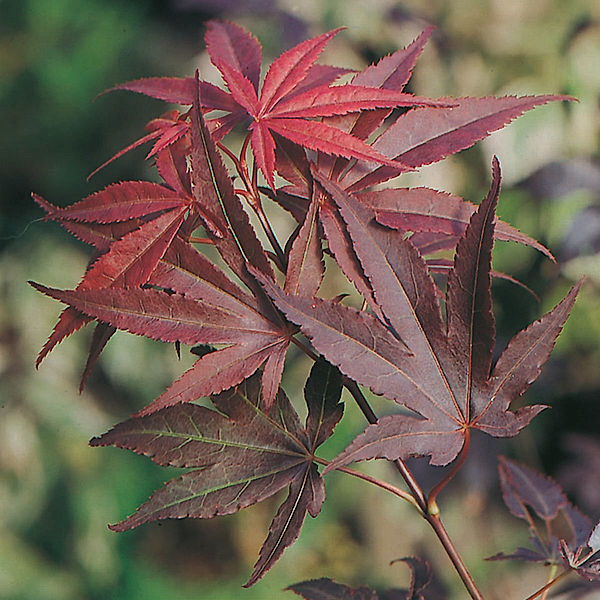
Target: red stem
{"points": [[431, 498], [452, 552], [548, 585]]}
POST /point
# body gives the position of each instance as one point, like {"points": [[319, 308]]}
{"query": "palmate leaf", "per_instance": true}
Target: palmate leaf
{"points": [[293, 90], [444, 377], [213, 311], [128, 261], [241, 453], [568, 536]]}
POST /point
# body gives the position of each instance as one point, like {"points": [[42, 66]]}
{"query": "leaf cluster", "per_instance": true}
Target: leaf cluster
{"points": [[320, 146]]}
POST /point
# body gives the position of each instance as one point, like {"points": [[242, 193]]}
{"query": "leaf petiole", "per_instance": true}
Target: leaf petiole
{"points": [[553, 581], [378, 482], [433, 494]]}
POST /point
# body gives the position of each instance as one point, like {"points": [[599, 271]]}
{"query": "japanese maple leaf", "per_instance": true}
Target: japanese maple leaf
{"points": [[211, 308], [241, 453], [441, 372], [568, 536], [294, 92], [282, 109]]}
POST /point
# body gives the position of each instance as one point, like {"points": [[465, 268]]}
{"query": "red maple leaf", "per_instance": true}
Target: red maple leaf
{"points": [[240, 454], [441, 372]]}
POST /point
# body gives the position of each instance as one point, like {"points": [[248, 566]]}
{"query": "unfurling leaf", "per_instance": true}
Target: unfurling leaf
{"points": [[568, 536]]}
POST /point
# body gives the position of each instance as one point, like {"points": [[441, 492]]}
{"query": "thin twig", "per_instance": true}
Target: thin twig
{"points": [[548, 585], [308, 351], [378, 482]]}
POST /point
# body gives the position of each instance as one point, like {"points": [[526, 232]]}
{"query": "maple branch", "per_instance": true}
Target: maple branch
{"points": [[437, 525], [427, 507], [549, 585], [431, 498]]}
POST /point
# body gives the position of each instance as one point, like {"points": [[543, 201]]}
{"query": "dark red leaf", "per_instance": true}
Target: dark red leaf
{"points": [[444, 265], [521, 363], [240, 456], [444, 377], [242, 453]]}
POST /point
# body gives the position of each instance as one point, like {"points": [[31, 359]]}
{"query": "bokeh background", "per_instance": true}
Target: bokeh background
{"points": [[57, 494]]}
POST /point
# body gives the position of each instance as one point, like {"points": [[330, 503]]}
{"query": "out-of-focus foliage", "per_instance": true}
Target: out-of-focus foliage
{"points": [[57, 494]]}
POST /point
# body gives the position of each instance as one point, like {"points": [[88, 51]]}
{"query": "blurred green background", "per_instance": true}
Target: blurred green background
{"points": [[57, 494]]}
